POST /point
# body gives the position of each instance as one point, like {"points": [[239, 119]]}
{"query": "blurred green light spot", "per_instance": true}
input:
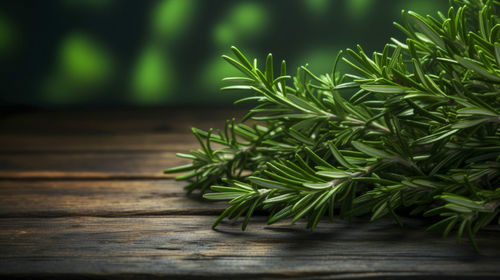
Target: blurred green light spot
{"points": [[245, 21], [249, 17], [84, 67], [6, 35], [84, 60], [172, 17], [358, 9], [225, 35], [152, 77]]}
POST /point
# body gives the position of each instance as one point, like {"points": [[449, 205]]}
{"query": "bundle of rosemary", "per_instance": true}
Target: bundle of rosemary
{"points": [[415, 130]]}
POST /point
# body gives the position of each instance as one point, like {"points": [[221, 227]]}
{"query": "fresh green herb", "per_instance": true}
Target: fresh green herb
{"points": [[419, 133]]}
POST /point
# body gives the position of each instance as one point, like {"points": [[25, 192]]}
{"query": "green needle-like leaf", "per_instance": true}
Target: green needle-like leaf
{"points": [[411, 130]]}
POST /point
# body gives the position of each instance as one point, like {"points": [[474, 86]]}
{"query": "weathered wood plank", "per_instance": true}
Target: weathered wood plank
{"points": [[103, 215], [100, 198], [179, 247], [90, 165], [172, 142]]}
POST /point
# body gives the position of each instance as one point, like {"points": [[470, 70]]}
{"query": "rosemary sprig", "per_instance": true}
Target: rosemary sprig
{"points": [[419, 132]]}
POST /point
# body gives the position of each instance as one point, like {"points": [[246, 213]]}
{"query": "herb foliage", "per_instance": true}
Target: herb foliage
{"points": [[418, 134]]}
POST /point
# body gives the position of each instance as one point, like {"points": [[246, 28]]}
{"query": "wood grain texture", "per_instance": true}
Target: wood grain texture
{"points": [[148, 142], [82, 195], [174, 246], [102, 198], [146, 164]]}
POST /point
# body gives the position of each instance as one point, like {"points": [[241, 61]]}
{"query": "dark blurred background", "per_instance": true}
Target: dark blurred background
{"points": [[102, 53]]}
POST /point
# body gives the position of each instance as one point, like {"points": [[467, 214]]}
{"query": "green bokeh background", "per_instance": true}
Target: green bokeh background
{"points": [[91, 53]]}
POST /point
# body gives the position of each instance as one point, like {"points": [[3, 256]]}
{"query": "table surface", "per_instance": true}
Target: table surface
{"points": [[82, 195]]}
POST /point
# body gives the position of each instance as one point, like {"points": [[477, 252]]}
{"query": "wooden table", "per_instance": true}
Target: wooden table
{"points": [[82, 195]]}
